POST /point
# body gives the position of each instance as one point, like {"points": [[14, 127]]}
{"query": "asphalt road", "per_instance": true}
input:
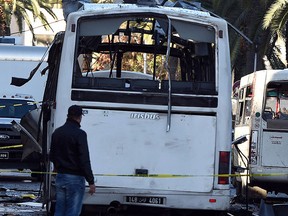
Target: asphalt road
{"points": [[20, 195]]}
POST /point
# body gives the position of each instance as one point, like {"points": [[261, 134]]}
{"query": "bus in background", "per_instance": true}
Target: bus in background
{"points": [[154, 82], [262, 116]]}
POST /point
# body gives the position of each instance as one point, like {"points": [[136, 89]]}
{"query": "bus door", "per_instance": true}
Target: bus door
{"points": [[243, 123]]}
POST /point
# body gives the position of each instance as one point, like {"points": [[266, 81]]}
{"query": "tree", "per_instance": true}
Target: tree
{"points": [[20, 8], [276, 20], [248, 16], [2, 22]]}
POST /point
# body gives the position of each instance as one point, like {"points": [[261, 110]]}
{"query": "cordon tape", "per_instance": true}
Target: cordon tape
{"points": [[138, 175], [153, 175]]}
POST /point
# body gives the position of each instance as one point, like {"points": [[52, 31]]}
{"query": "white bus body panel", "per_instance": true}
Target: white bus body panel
{"points": [[145, 144], [274, 150]]}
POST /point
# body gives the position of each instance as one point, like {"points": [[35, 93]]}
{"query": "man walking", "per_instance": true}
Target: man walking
{"points": [[70, 156]]}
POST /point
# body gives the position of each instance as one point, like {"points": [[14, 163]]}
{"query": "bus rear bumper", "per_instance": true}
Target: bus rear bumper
{"points": [[216, 200]]}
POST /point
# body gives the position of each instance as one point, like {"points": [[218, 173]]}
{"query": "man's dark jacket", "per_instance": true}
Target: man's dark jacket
{"points": [[69, 151]]}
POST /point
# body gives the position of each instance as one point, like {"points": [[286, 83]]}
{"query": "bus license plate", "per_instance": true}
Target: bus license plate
{"points": [[4, 155], [145, 200]]}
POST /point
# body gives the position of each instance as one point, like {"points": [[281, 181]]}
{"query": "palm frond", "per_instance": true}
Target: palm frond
{"points": [[35, 7], [48, 9], [273, 9], [20, 7], [45, 23]]}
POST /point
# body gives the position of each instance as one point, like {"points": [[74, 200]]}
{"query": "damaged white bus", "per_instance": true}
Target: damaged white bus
{"points": [[262, 116], [155, 84]]}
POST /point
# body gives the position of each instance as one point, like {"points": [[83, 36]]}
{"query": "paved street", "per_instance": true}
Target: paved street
{"points": [[20, 196]]}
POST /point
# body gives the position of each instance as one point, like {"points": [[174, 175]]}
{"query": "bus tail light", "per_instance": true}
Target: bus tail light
{"points": [[253, 148], [224, 161]]}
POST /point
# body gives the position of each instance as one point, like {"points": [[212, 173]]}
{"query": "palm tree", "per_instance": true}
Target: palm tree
{"points": [[19, 9], [247, 16], [2, 23], [276, 21]]}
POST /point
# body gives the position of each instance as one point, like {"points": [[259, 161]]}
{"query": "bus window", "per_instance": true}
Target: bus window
{"points": [[276, 103], [248, 104], [270, 108], [249, 92], [247, 110], [283, 111], [244, 105], [239, 112], [130, 55]]}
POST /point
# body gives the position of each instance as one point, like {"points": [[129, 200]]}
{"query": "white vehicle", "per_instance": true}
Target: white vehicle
{"points": [[15, 102], [262, 116], [13, 108], [19, 61], [160, 138]]}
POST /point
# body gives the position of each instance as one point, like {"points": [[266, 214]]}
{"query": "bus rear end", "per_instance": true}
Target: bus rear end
{"points": [[155, 90]]}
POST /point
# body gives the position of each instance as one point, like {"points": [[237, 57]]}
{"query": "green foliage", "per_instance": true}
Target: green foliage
{"points": [[263, 22], [20, 9], [276, 17]]}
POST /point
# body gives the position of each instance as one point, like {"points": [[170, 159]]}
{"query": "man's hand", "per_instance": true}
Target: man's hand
{"points": [[92, 189]]}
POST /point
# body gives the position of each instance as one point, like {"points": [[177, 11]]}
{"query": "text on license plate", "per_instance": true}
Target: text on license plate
{"points": [[4, 155], [147, 200]]}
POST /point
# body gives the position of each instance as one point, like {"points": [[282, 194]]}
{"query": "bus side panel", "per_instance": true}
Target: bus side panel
{"points": [[123, 143], [274, 149]]}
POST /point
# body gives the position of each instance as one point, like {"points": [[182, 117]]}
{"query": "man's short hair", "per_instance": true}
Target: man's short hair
{"points": [[75, 111]]}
